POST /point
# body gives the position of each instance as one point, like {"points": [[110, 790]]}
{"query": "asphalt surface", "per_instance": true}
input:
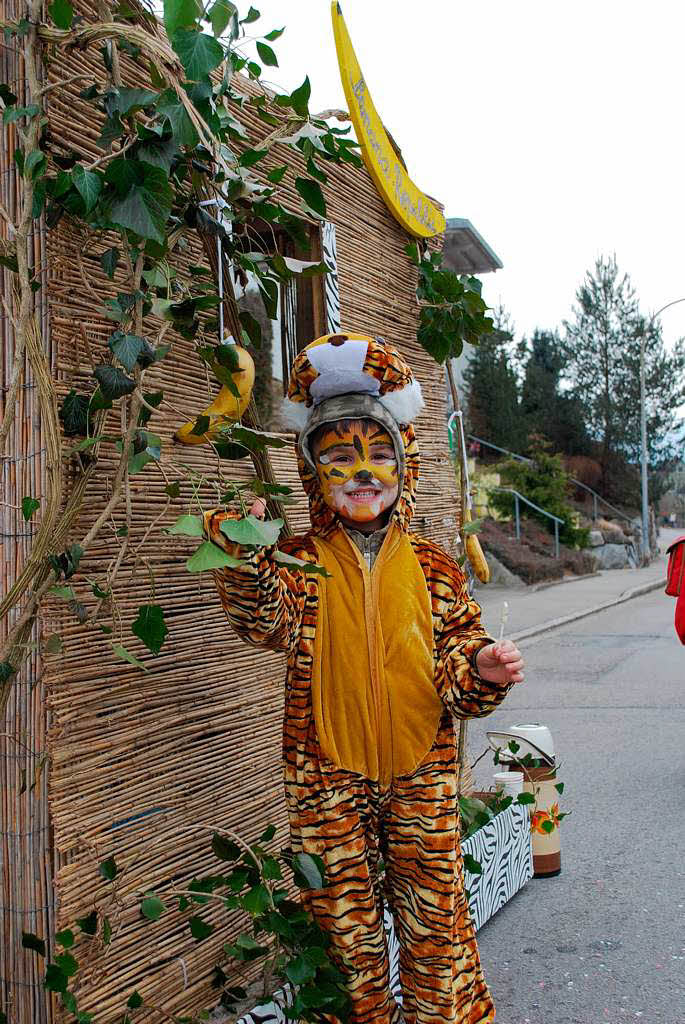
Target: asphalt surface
{"points": [[604, 942]]}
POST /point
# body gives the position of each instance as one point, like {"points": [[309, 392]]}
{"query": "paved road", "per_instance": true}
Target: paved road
{"points": [[604, 943]]}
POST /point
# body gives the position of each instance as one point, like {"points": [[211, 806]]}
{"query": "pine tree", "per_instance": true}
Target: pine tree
{"points": [[602, 352], [546, 410], [493, 401]]}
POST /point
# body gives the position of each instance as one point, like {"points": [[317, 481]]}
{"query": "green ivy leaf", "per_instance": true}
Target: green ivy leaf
{"points": [[55, 979], [472, 865], [271, 869], [144, 209], [62, 13], [74, 414], [108, 869], [276, 175], [299, 970], [311, 193], [113, 382], [257, 901], [126, 348], [34, 164], [180, 14], [89, 923], [198, 52], [31, 941], [106, 931], [267, 55], [67, 964], [559, 786], [187, 526], [12, 114], [252, 327], [69, 1002], [88, 184], [150, 627], [299, 99], [252, 531], [170, 107], [291, 562], [6, 95], [7, 670], [308, 869], [109, 261], [152, 907], [134, 1001], [252, 15], [525, 798], [121, 652], [209, 556], [128, 100], [173, 490], [28, 507], [225, 849], [200, 929], [250, 157], [65, 938], [547, 826], [274, 34], [221, 14]]}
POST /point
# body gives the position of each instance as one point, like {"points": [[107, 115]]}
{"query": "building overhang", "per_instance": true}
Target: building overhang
{"points": [[465, 251]]}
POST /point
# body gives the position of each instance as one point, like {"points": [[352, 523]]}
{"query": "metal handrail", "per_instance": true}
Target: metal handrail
{"points": [[523, 458], [521, 497]]}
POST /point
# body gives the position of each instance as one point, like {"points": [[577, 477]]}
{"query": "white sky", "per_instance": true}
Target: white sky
{"points": [[556, 129]]}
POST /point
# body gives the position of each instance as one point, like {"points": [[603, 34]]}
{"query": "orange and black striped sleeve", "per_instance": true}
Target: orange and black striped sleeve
{"points": [[458, 635], [264, 601]]}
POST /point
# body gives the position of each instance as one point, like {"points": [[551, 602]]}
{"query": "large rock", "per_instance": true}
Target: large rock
{"points": [[611, 556], [595, 538], [500, 575]]}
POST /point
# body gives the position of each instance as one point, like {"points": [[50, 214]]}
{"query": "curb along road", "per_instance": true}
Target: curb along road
{"points": [[627, 595]]}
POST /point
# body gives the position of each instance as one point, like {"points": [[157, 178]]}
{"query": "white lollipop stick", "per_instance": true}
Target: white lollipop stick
{"points": [[503, 621]]}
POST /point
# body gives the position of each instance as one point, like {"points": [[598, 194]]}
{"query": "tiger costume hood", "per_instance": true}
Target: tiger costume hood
{"points": [[354, 376]]}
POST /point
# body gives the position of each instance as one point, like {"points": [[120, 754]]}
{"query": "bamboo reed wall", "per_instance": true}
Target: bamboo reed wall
{"points": [[143, 765]]}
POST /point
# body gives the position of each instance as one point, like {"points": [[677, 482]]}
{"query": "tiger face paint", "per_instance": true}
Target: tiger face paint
{"points": [[357, 469]]}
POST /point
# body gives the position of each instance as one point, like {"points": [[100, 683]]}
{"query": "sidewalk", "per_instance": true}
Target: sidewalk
{"points": [[533, 610]]}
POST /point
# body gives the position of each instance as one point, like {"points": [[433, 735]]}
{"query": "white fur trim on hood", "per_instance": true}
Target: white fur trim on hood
{"points": [[404, 405]]}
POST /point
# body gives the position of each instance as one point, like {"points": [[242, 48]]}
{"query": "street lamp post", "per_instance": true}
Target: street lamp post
{"points": [[643, 428]]}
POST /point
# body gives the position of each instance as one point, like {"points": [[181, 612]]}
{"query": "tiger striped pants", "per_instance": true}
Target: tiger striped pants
{"points": [[413, 827]]}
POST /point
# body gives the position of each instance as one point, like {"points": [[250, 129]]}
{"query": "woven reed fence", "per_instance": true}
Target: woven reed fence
{"points": [[99, 758]]}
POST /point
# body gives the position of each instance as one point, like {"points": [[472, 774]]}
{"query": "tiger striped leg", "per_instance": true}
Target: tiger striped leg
{"points": [[440, 972], [337, 818]]}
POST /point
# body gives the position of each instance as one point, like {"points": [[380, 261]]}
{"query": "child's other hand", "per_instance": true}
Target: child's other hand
{"points": [[500, 663]]}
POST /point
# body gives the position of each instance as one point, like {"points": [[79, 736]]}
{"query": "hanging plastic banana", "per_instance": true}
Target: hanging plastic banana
{"points": [[474, 551], [230, 403]]}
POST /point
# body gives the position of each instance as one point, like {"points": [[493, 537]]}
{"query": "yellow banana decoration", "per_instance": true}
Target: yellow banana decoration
{"points": [[226, 407], [474, 553]]}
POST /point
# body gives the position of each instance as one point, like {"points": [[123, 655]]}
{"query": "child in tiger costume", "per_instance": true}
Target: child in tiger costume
{"points": [[383, 654]]}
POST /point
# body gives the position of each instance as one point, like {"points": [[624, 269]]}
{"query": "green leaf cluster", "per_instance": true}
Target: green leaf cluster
{"points": [[452, 310]]}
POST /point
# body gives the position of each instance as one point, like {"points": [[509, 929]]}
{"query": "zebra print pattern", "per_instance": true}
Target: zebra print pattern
{"points": [[503, 847], [332, 292]]}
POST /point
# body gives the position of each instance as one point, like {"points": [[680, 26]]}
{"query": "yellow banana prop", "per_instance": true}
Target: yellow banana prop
{"points": [[474, 553], [226, 407]]}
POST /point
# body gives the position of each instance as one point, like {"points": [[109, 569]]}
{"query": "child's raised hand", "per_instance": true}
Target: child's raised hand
{"points": [[258, 508], [500, 663]]}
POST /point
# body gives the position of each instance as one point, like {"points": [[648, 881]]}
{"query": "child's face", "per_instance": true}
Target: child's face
{"points": [[357, 469]]}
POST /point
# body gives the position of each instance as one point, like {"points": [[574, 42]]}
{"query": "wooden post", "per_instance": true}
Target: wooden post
{"points": [[465, 776]]}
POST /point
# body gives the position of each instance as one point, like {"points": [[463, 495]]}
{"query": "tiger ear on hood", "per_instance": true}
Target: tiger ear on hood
{"points": [[351, 364]]}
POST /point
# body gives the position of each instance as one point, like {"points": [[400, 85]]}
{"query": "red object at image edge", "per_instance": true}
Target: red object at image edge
{"points": [[675, 583]]}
